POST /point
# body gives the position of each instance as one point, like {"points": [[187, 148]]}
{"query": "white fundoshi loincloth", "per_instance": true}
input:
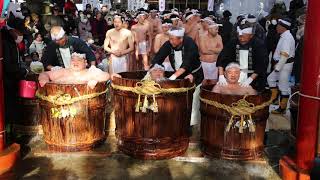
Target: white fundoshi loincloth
{"points": [[195, 113], [142, 47], [118, 64], [210, 71]]}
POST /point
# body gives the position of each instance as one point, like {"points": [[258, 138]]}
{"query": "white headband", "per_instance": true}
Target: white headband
{"points": [[232, 65], [82, 56], [188, 17], [244, 31], [252, 20], [215, 25], [167, 24], [59, 35], [176, 18], [285, 22], [157, 66], [207, 19], [177, 32]]}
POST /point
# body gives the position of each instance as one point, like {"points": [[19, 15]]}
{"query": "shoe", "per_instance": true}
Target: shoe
{"points": [[282, 106]]}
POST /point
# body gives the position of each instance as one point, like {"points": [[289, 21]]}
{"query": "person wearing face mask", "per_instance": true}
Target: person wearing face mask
{"points": [[84, 28], [13, 70], [57, 54], [251, 53], [210, 45]]}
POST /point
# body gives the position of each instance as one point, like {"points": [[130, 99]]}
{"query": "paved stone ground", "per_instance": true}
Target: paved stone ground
{"points": [[106, 162]]}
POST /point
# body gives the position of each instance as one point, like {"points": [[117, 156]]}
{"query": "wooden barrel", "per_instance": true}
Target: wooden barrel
{"points": [[28, 111], [152, 135], [294, 107], [79, 125], [217, 141]]}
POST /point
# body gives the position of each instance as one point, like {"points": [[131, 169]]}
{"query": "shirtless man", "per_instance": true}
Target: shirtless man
{"points": [[119, 42], [176, 22], [143, 39], [192, 26], [161, 39], [232, 75], [210, 45], [75, 74], [155, 22], [155, 25]]}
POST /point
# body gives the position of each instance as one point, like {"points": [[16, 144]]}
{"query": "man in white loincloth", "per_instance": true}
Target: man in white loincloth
{"points": [[143, 39], [210, 45], [119, 43]]}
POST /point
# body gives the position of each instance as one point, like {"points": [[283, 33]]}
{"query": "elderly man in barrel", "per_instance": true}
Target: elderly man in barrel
{"points": [[232, 75], [183, 55], [57, 55], [156, 73], [284, 56], [75, 74], [251, 53]]}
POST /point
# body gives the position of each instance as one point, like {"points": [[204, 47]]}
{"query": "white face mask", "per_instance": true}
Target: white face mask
{"points": [[274, 22], [19, 39], [84, 20]]}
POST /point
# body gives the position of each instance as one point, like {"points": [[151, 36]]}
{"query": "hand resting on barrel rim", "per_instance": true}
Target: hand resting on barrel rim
{"points": [[76, 74], [233, 87]]}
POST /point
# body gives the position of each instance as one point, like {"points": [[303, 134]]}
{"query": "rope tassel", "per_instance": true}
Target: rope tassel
{"points": [[138, 103], [155, 104], [145, 104]]}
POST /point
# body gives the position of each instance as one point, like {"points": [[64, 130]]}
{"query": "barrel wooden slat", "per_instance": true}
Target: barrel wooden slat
{"points": [[152, 135], [231, 145], [83, 131], [28, 112]]}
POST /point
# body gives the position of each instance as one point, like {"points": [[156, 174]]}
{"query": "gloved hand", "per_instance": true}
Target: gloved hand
{"points": [[281, 63], [173, 77], [246, 83], [222, 81], [92, 83], [56, 68]]}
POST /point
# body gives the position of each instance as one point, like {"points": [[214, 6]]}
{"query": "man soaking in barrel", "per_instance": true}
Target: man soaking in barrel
{"points": [[232, 75], [156, 73], [75, 74]]}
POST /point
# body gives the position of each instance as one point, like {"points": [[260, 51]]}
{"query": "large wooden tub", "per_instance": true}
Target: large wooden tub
{"points": [[152, 135], [231, 143], [73, 126]]}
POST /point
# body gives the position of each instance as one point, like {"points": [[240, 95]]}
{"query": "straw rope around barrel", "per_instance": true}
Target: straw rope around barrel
{"points": [[149, 88], [242, 109], [64, 101]]}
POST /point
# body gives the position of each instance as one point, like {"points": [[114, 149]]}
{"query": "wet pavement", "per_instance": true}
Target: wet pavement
{"points": [[106, 162]]}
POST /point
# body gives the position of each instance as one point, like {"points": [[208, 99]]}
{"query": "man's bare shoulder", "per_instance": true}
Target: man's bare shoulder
{"points": [[216, 89], [126, 32]]}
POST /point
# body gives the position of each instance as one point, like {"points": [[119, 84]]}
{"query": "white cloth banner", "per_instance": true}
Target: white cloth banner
{"points": [[162, 5], [210, 5]]}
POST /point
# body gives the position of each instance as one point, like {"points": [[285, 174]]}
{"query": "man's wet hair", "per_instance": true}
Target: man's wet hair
{"points": [[119, 16]]}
